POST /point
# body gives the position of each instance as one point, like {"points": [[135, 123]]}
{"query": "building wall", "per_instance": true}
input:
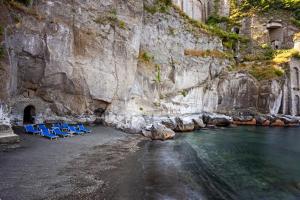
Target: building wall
{"points": [[196, 9], [295, 86]]}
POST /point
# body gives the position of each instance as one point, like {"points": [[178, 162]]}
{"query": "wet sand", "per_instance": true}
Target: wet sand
{"points": [[68, 168]]}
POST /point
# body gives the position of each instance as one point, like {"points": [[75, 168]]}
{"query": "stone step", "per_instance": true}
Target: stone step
{"points": [[8, 137]]}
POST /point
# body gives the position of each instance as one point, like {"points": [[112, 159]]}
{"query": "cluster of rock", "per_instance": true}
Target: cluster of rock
{"points": [[6, 133], [164, 127]]}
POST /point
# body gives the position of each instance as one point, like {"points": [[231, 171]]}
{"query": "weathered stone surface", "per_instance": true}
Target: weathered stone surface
{"points": [[262, 121], [270, 97], [277, 122], [244, 120], [198, 122], [170, 123], [289, 120], [74, 61], [237, 91], [7, 135], [185, 124], [158, 132], [217, 119]]}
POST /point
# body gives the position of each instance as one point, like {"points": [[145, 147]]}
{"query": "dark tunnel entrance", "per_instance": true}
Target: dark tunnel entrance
{"points": [[29, 115]]}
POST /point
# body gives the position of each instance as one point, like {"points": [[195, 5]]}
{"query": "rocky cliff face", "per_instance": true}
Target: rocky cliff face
{"points": [[116, 60]]}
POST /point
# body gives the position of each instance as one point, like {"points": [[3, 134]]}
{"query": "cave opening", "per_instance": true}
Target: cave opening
{"points": [[29, 115]]}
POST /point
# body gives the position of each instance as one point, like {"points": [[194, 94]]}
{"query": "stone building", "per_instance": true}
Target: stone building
{"points": [[292, 86], [277, 33]]}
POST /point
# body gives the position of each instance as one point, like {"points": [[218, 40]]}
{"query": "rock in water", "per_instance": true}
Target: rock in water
{"points": [[185, 124], [158, 132], [217, 119]]}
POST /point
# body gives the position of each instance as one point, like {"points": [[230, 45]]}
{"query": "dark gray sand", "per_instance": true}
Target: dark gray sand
{"points": [[69, 168]]}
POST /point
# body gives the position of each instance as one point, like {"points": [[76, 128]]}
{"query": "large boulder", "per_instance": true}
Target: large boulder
{"points": [[244, 120], [262, 120], [158, 132], [185, 124], [198, 122], [169, 122], [289, 120], [217, 119]]}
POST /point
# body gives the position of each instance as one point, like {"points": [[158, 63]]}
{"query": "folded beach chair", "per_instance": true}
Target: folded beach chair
{"points": [[82, 128], [46, 133], [72, 129], [30, 129], [60, 133]]}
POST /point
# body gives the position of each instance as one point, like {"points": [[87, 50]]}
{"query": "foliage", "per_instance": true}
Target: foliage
{"points": [[216, 19], [297, 36], [184, 93], [264, 5], [266, 72], [28, 10], [158, 74], [284, 56], [210, 29], [26, 2], [145, 57], [111, 18], [207, 53], [159, 6], [272, 4]]}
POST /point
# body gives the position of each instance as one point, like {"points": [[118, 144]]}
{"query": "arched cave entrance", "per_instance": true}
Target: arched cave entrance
{"points": [[297, 105], [29, 115]]}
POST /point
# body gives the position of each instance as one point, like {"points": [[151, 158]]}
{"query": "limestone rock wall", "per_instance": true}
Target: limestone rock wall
{"points": [[113, 58]]}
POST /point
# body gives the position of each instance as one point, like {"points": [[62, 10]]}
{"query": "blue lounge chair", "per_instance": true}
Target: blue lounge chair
{"points": [[82, 128], [64, 126], [46, 133], [30, 129], [56, 125], [60, 133], [72, 129], [42, 126]]}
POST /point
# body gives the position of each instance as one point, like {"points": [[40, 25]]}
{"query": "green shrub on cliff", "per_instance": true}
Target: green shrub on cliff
{"points": [[111, 17], [26, 2], [145, 57], [267, 72], [159, 6]]}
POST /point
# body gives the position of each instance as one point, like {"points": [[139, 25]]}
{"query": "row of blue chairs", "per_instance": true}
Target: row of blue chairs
{"points": [[57, 130]]}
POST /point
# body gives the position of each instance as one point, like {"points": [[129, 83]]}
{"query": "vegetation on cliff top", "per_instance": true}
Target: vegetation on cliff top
{"points": [[208, 53], [268, 66], [164, 6], [248, 7]]}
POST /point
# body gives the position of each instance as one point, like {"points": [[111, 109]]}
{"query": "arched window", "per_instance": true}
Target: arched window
{"points": [[297, 77], [297, 105], [29, 115]]}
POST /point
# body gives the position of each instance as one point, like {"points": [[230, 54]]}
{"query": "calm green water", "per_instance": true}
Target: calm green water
{"points": [[248, 162], [245, 163]]}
